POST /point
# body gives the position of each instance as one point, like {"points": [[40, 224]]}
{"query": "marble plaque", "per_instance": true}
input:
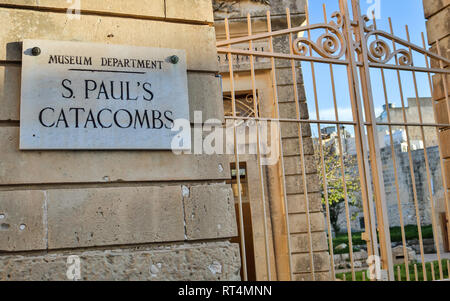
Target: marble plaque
{"points": [[87, 96]]}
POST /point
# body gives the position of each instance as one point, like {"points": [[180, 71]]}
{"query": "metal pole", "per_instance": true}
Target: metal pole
{"points": [[374, 152]]}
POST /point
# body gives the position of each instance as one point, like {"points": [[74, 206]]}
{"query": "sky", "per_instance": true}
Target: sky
{"points": [[402, 12]]}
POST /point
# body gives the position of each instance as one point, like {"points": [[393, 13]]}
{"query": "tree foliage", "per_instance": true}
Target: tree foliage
{"points": [[335, 181]]}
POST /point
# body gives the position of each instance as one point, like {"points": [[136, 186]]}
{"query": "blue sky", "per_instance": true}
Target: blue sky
{"points": [[402, 12]]}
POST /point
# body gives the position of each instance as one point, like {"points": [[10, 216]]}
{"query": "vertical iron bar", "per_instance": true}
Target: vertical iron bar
{"points": [[377, 174], [302, 155], [300, 133], [322, 156], [394, 162], [448, 268], [277, 115], [433, 277], [411, 162], [361, 144], [261, 172], [341, 161], [236, 152]]}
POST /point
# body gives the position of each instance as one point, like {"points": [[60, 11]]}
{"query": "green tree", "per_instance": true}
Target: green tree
{"points": [[334, 180]]}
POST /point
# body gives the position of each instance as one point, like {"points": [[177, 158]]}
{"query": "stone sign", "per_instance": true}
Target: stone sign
{"points": [[98, 96]]}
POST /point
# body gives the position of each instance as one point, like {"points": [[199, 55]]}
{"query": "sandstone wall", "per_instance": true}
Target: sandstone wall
{"points": [[406, 188], [143, 215], [437, 12]]}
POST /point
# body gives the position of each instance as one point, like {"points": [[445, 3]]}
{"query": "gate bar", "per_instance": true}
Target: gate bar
{"points": [[342, 167], [427, 166], [258, 137], [302, 155], [411, 167], [281, 162], [237, 164], [377, 175], [363, 165], [397, 186]]}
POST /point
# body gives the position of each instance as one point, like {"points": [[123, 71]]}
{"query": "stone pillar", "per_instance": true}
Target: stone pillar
{"points": [[127, 215], [437, 12], [293, 160], [236, 12]]}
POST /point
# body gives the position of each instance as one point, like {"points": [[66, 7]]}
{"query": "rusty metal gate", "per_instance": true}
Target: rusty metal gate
{"points": [[281, 221]]}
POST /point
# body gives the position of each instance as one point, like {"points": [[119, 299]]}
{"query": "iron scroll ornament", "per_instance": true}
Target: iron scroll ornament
{"points": [[380, 52], [330, 45]]}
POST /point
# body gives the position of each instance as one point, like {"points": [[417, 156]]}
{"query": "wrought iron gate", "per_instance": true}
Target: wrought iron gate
{"points": [[349, 43]]}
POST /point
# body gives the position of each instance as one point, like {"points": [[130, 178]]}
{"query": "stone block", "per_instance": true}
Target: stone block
{"points": [[444, 136], [444, 46], [438, 87], [399, 256], [10, 81], [431, 7], [31, 167], [22, 220], [114, 216], [361, 255], [447, 172], [291, 146], [197, 40], [301, 262], [291, 130], [205, 95], [208, 261], [286, 93], [294, 184], [240, 9], [295, 6], [318, 276], [285, 77], [300, 242], [296, 202], [298, 222], [293, 165], [209, 212], [143, 8], [438, 26], [442, 112], [288, 110]]}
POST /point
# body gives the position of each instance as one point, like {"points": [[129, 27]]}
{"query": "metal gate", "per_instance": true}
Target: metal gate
{"points": [[287, 217]]}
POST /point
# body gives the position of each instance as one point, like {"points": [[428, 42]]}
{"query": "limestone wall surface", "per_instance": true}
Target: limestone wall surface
{"points": [[143, 215]]}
